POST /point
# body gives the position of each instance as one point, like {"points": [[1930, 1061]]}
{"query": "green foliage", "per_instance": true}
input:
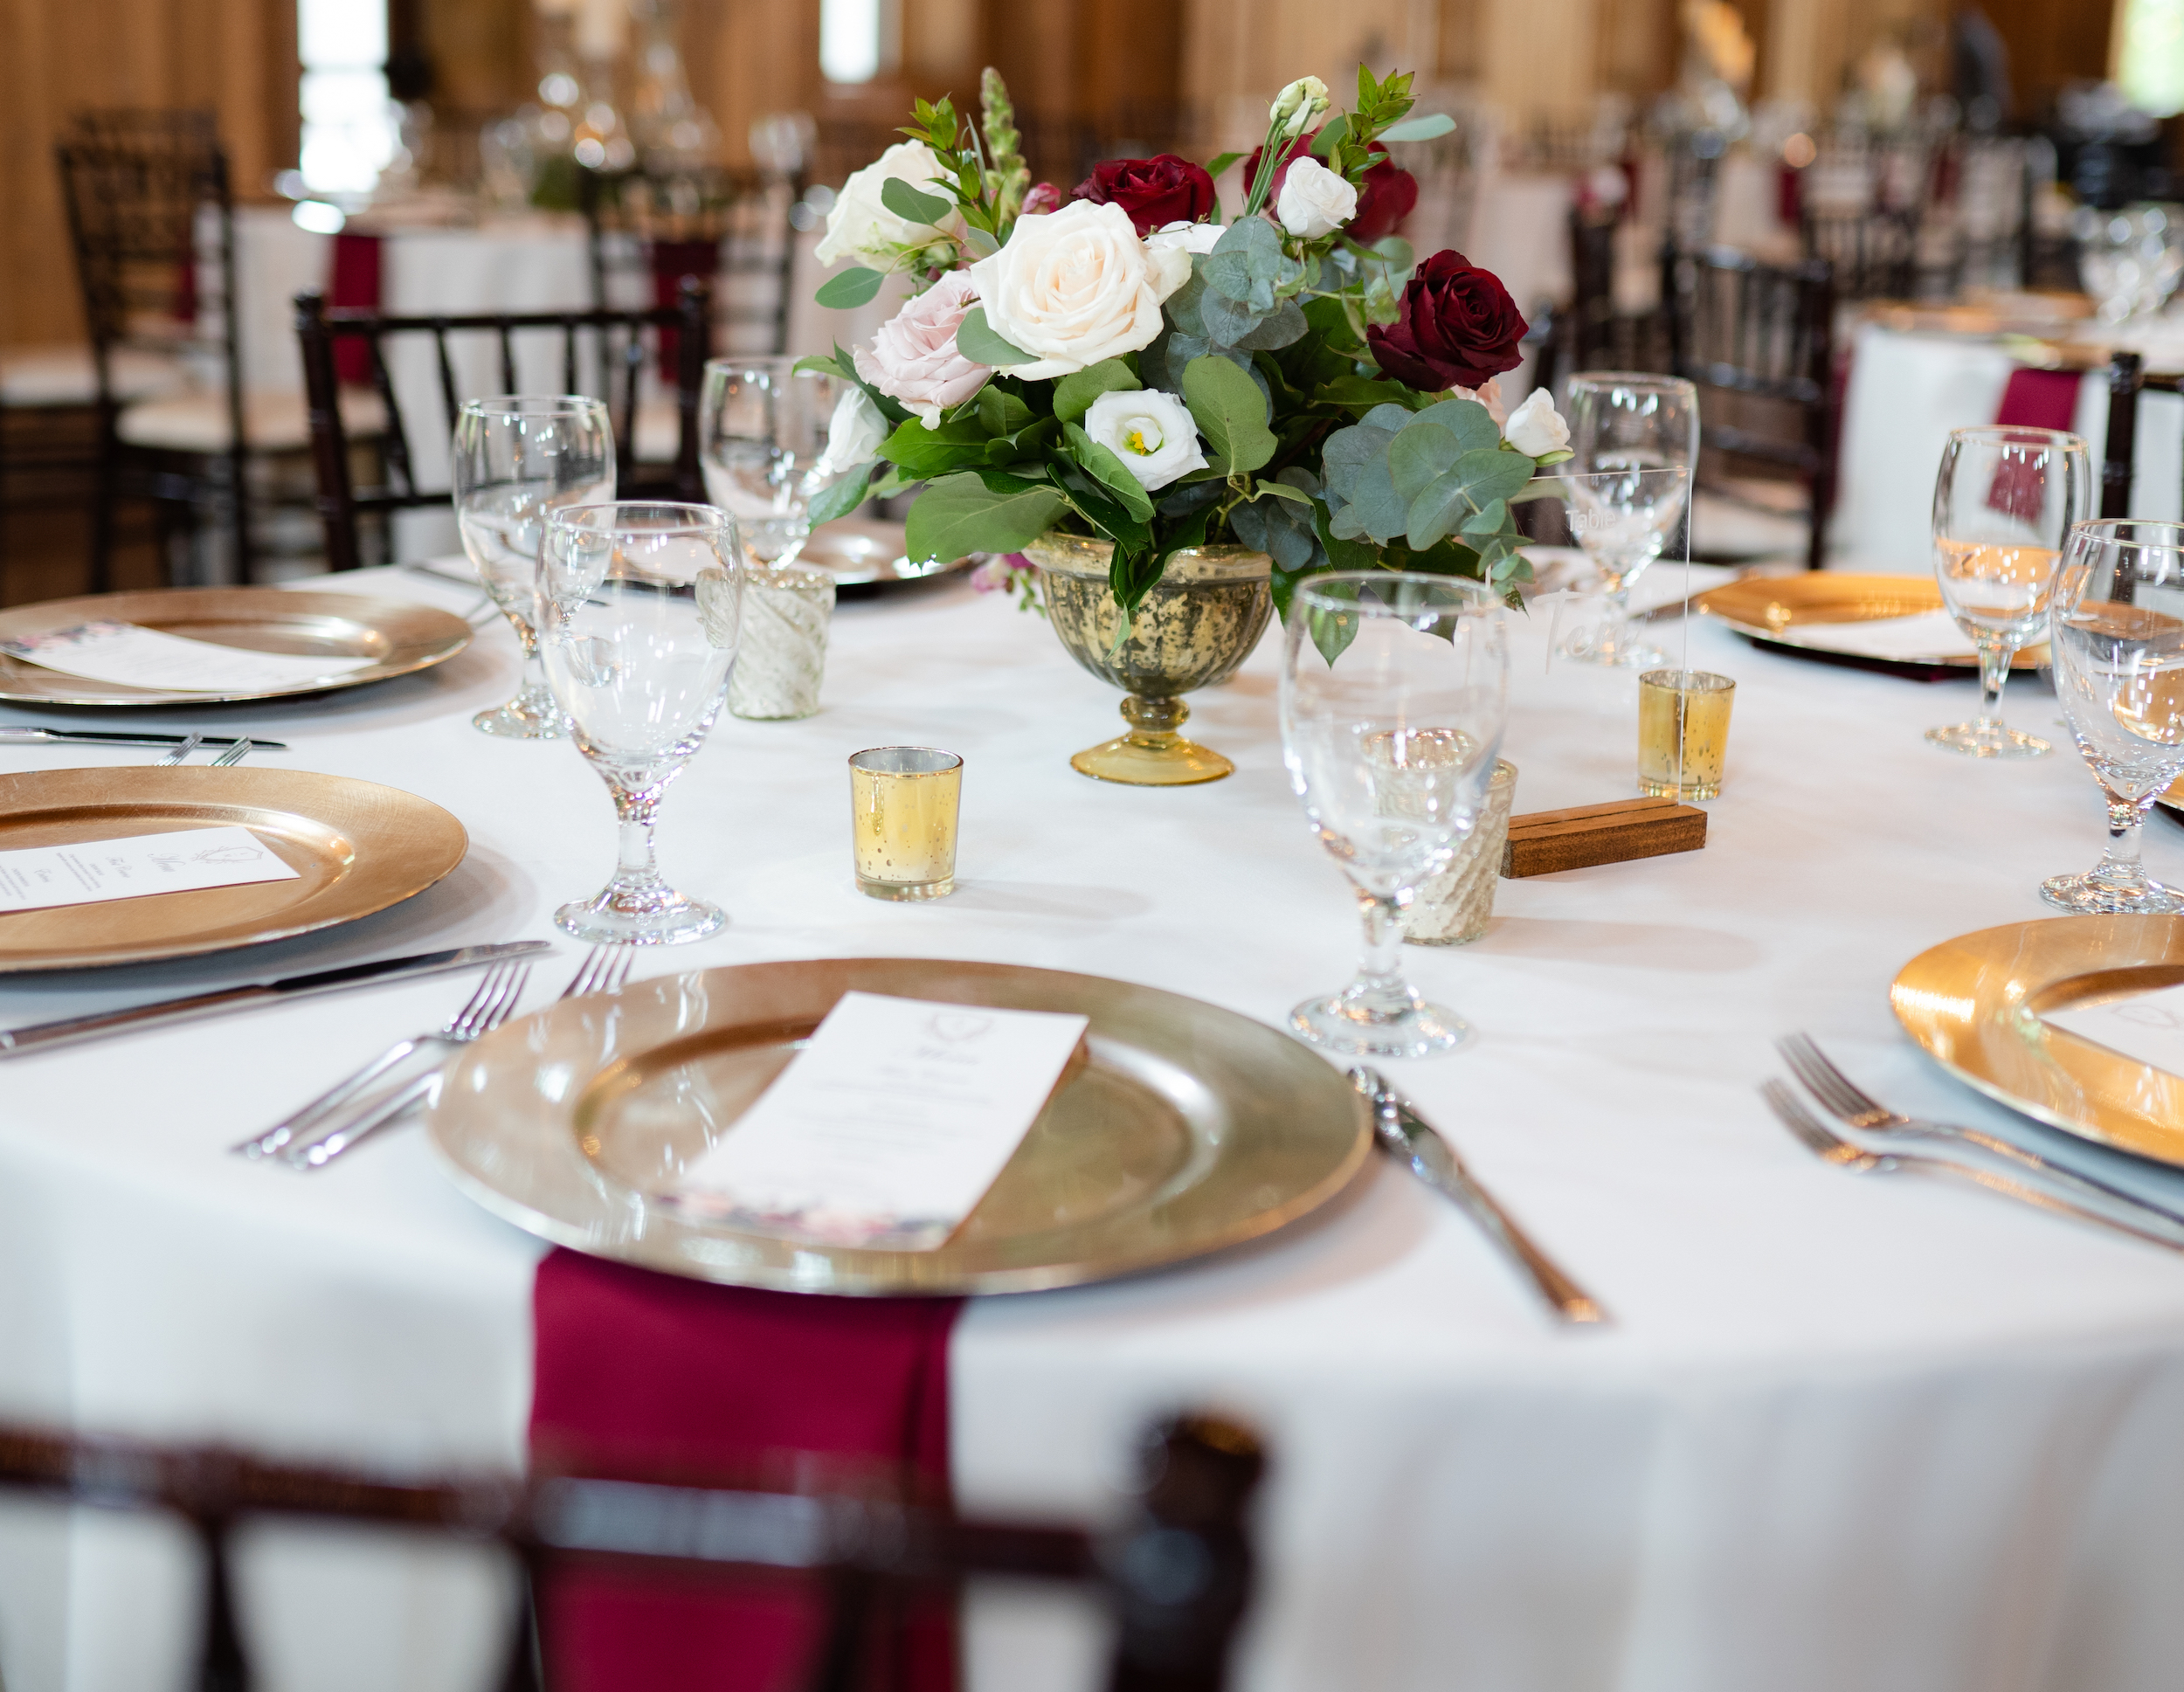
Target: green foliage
{"points": [[1109, 472], [983, 511], [854, 287], [1230, 413], [911, 205], [975, 341], [1075, 393], [845, 496], [1425, 129]]}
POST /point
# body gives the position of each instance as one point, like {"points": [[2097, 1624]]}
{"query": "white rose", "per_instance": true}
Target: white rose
{"points": [[1314, 200], [1075, 286], [854, 433], [860, 226], [1150, 432], [1535, 428]]}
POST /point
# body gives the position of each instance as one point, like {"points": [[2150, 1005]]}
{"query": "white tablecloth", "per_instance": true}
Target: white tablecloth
{"points": [[1847, 1434]]}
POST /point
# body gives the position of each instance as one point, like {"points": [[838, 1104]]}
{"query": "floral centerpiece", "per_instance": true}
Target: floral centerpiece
{"points": [[1128, 366]]}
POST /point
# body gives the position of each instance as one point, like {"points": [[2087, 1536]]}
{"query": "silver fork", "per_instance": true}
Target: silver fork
{"points": [[1831, 1147], [604, 969], [490, 992], [179, 753], [1840, 1097], [235, 754]]}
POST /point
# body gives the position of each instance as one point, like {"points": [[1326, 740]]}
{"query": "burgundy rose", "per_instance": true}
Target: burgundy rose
{"points": [[1385, 197], [1155, 192], [1041, 198], [1459, 327]]}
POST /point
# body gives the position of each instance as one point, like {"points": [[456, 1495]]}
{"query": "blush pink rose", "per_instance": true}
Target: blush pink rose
{"points": [[914, 358]]}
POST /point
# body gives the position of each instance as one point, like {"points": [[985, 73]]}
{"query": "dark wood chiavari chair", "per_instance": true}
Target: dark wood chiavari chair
{"points": [[1591, 332], [1177, 1575], [2127, 379], [1757, 341], [649, 230], [1873, 254], [621, 343]]}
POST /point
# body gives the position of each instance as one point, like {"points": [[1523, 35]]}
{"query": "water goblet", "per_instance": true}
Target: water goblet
{"points": [[1394, 692], [1634, 444], [2004, 501], [770, 441], [2116, 629], [641, 607], [518, 459]]}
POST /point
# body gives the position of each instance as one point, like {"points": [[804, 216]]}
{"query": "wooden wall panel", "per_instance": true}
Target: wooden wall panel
{"points": [[237, 57]]}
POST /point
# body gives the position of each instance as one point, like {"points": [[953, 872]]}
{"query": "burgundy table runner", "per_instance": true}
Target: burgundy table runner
{"points": [[2034, 399], [355, 285], [646, 1375]]}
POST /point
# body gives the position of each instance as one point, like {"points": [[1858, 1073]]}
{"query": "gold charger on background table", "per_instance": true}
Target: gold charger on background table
{"points": [[867, 552], [1772, 608], [399, 638], [1191, 1129], [357, 846], [1975, 1004]]}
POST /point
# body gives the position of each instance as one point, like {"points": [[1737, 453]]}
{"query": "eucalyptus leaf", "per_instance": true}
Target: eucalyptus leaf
{"points": [[977, 341], [1474, 481], [1247, 264], [1183, 306], [1486, 521], [1231, 413], [1281, 491], [1468, 420], [980, 241], [855, 286], [1225, 321], [911, 205], [984, 512], [1075, 393], [820, 364], [1421, 451], [842, 497], [1284, 532], [1420, 129], [1283, 327], [1390, 418]]}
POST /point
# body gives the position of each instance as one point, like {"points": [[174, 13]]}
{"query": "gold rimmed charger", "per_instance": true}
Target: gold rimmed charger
{"points": [[358, 847], [1191, 1129], [866, 552], [399, 638], [1774, 608], [1976, 1003]]}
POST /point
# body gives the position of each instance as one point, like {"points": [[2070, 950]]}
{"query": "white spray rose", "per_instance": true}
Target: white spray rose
{"points": [[1536, 428], [1075, 286], [1153, 433], [1314, 200], [1295, 106], [860, 226], [854, 433], [1185, 237]]}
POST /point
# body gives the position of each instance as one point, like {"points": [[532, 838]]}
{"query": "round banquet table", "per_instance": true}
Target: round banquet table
{"points": [[1844, 1433]]}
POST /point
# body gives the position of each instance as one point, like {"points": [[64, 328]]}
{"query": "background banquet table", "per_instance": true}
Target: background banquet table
{"points": [[1845, 1433]]}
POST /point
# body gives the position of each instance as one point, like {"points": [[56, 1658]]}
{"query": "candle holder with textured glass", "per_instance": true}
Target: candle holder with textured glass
{"points": [[1195, 627]]}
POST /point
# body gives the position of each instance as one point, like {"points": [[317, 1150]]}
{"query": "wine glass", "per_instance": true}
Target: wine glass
{"points": [[765, 435], [2116, 631], [518, 459], [1634, 444], [1394, 691], [2003, 502], [641, 607]]}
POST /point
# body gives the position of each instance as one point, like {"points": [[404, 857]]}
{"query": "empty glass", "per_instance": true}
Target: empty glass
{"points": [[765, 440], [518, 459], [2117, 632], [2003, 502], [1394, 692], [1634, 444], [640, 609]]}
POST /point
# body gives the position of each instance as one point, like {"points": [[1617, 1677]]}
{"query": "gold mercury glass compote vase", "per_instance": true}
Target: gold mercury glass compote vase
{"points": [[1200, 620]]}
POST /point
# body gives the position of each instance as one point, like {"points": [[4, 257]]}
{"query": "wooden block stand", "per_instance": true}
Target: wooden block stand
{"points": [[1545, 841]]}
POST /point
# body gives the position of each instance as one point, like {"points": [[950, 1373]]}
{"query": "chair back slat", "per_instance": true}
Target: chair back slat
{"points": [[395, 439], [2126, 381], [569, 380], [730, 226], [222, 1666], [508, 361], [451, 404]]}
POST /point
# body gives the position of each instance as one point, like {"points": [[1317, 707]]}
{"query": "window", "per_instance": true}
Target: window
{"points": [[348, 125], [2149, 54], [858, 38]]}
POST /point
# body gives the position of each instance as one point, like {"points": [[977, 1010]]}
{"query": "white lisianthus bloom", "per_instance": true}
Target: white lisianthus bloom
{"points": [[1295, 106], [1536, 428], [854, 433], [1314, 200], [1153, 433], [860, 226], [1188, 238], [1075, 286]]}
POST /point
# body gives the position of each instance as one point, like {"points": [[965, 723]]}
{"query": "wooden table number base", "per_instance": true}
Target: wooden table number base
{"points": [[1545, 841]]}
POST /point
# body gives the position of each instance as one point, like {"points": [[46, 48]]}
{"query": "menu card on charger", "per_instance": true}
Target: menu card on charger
{"points": [[135, 657], [2147, 1028], [184, 861], [887, 1129]]}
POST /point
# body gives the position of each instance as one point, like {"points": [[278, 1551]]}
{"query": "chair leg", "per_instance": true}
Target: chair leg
{"points": [[105, 481], [238, 510]]}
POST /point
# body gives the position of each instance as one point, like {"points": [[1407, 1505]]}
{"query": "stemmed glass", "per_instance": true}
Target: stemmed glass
{"points": [[518, 459], [766, 443], [1634, 445], [2004, 502], [640, 609], [2117, 632], [1394, 692]]}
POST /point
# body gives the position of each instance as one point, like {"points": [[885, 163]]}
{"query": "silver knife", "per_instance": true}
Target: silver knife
{"points": [[19, 735], [46, 1035], [1409, 1137]]}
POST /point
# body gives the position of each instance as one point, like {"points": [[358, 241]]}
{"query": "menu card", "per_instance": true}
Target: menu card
{"points": [[35, 878], [137, 657], [887, 1129], [1928, 634], [2147, 1028]]}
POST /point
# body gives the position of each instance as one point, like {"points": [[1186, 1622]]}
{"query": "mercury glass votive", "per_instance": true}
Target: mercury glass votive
{"points": [[903, 801], [1683, 733], [1454, 907], [784, 653]]}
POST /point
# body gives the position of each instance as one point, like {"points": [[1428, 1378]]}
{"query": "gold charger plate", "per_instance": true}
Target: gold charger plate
{"points": [[1975, 1004], [399, 638], [861, 552], [1191, 1129], [1773, 608], [358, 847]]}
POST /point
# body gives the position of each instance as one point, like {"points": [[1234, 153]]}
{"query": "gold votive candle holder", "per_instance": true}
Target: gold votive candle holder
{"points": [[1454, 907], [1683, 733], [903, 802]]}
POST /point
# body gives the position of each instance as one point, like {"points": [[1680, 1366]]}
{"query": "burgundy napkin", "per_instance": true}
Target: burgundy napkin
{"points": [[672, 261], [646, 1375], [2034, 399], [354, 286]]}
